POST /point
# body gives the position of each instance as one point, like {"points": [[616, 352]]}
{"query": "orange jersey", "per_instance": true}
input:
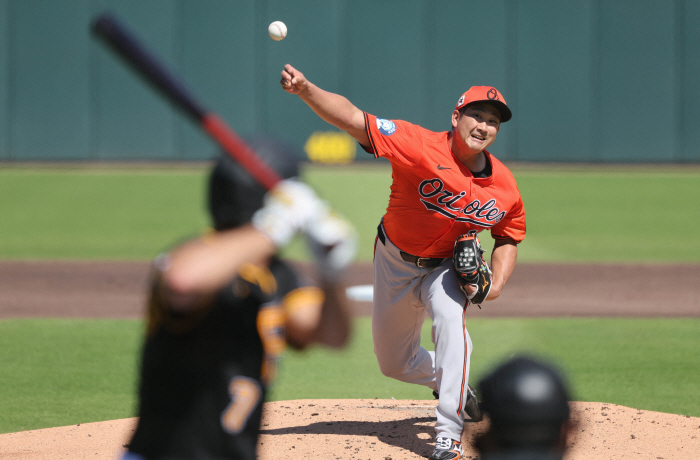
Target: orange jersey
{"points": [[434, 197]]}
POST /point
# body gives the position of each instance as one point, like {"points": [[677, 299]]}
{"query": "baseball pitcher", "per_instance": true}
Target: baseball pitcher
{"points": [[428, 260]]}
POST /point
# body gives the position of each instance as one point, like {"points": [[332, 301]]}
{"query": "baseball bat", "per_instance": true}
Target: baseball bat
{"points": [[125, 44]]}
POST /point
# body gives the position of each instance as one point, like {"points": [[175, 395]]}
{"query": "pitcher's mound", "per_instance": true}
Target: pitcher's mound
{"points": [[380, 429]]}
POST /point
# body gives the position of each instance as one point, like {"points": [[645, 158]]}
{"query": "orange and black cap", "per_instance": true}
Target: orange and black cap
{"points": [[486, 94]]}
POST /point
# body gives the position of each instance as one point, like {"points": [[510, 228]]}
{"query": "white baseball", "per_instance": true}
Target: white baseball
{"points": [[277, 30]]}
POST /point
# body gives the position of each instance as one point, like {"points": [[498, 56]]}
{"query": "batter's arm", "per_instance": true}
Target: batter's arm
{"points": [[335, 323], [503, 258], [332, 108], [325, 319], [204, 265]]}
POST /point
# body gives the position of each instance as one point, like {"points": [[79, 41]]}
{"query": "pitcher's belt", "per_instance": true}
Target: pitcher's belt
{"points": [[421, 262]]}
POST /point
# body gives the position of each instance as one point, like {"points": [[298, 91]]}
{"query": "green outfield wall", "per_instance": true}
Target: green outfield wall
{"points": [[588, 80]]}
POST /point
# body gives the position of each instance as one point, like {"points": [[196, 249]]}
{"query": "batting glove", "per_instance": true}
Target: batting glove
{"points": [[333, 241], [286, 210]]}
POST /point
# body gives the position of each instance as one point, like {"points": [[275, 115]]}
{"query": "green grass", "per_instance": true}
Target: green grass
{"points": [[58, 372], [648, 364], [586, 214], [611, 215], [98, 214]]}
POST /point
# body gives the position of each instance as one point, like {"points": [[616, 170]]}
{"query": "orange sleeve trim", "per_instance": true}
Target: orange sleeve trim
{"points": [[499, 237], [369, 135], [302, 298]]}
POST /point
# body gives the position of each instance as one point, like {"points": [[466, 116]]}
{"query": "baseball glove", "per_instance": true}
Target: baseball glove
{"points": [[471, 268]]}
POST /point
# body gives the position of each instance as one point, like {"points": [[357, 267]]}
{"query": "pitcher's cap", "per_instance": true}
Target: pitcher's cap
{"points": [[486, 94]]}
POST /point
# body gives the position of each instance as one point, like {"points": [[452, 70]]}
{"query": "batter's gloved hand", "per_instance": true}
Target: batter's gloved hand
{"points": [[471, 268], [333, 241], [287, 209]]}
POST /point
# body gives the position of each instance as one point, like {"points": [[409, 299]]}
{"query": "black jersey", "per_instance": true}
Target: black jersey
{"points": [[204, 375]]}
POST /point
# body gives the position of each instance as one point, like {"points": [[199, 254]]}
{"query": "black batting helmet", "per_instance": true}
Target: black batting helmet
{"points": [[234, 195], [527, 402]]}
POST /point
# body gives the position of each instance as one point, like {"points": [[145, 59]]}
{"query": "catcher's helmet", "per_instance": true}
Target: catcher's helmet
{"points": [[527, 402], [234, 195]]}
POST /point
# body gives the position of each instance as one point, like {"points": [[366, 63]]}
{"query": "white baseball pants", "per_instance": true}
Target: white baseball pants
{"points": [[403, 295]]}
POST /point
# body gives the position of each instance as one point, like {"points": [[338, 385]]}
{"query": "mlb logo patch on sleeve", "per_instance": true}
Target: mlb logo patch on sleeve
{"points": [[386, 127]]}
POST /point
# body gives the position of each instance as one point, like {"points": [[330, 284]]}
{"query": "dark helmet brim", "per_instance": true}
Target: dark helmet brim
{"points": [[234, 195]]}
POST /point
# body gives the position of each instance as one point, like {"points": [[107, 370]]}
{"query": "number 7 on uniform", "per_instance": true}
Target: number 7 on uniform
{"points": [[245, 396]]}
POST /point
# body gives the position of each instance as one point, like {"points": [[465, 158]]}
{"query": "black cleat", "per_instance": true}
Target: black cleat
{"points": [[471, 407], [447, 449]]}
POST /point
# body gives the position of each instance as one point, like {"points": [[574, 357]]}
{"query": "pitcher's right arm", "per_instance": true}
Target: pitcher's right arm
{"points": [[332, 108]]}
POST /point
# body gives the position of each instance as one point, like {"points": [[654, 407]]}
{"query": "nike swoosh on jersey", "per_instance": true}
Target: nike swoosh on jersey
{"points": [[443, 167]]}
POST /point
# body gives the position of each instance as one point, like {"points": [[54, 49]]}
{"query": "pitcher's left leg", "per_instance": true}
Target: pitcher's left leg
{"points": [[445, 303]]}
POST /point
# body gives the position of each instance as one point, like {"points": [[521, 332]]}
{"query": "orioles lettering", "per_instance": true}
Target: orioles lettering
{"points": [[447, 200]]}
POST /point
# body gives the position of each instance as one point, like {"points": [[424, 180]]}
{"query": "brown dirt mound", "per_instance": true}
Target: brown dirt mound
{"points": [[381, 429]]}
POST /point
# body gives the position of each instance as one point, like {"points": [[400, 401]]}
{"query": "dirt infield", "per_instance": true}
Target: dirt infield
{"points": [[381, 429], [117, 290], [373, 429]]}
